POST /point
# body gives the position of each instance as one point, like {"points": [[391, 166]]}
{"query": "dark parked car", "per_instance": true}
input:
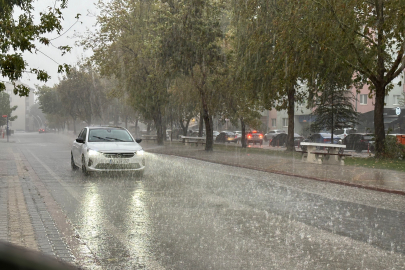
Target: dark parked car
{"points": [[226, 136], [254, 137], [321, 138], [281, 139], [272, 133], [359, 142]]}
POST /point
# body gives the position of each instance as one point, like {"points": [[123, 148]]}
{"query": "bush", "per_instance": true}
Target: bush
{"points": [[393, 149]]}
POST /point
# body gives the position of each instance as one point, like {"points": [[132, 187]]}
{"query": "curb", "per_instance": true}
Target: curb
{"points": [[332, 181]]}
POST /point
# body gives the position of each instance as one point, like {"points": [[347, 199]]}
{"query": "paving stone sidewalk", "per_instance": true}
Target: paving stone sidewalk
{"points": [[24, 218], [376, 179]]}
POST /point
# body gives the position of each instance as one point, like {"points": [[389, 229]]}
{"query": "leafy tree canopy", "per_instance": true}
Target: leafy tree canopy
{"points": [[22, 34]]}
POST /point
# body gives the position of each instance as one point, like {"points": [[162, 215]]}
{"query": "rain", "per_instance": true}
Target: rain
{"points": [[202, 134]]}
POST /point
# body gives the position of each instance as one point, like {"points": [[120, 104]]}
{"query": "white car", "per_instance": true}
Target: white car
{"points": [[100, 149]]}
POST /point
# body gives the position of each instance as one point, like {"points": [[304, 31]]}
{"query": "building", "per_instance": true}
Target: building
{"points": [[362, 104], [24, 121]]}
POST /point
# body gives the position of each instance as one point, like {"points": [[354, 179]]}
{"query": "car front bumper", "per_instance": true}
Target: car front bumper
{"points": [[100, 163]]}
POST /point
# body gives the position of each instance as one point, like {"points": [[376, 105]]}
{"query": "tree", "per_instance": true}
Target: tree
{"points": [[373, 31], [6, 109], [126, 46], [184, 101], [334, 110], [191, 45], [273, 54], [22, 35]]}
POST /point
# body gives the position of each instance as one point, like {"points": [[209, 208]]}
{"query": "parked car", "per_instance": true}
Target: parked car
{"points": [[226, 136], [215, 134], [342, 133], [99, 149], [272, 133], [321, 138], [359, 142], [254, 137], [238, 134], [281, 139]]}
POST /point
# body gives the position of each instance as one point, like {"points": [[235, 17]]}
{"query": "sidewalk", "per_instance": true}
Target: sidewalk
{"points": [[375, 179]]}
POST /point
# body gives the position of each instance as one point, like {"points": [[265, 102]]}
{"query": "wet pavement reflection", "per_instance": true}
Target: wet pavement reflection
{"points": [[189, 214]]}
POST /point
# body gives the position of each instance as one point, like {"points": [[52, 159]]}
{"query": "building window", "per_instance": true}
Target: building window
{"points": [[396, 100], [285, 122], [363, 99], [273, 122]]}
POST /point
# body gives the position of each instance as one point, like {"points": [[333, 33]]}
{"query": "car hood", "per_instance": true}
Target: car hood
{"points": [[114, 146]]}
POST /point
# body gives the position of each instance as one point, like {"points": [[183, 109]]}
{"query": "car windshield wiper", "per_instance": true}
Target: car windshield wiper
{"points": [[101, 138], [115, 139]]}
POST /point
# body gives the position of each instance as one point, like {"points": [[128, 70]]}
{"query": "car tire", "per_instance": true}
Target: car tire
{"points": [[72, 163], [84, 168]]}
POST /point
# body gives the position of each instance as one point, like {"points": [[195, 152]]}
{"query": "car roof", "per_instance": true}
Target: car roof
{"points": [[105, 127]]}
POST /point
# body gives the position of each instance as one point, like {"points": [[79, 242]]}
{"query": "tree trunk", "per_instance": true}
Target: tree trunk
{"points": [[379, 129], [159, 128], [201, 124], [243, 127], [209, 136], [290, 112], [209, 141]]}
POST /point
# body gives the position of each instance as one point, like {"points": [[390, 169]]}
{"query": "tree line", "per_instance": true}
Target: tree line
{"points": [[171, 59]]}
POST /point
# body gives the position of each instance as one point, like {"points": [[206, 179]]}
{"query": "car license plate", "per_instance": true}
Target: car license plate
{"points": [[119, 161]]}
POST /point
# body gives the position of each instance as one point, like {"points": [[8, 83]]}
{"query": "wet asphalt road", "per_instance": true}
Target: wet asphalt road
{"points": [[188, 214]]}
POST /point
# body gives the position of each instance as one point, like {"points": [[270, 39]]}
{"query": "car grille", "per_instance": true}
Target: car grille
{"points": [[108, 166], [119, 155]]}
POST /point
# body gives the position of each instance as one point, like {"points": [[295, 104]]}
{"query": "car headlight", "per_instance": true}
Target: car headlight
{"points": [[93, 152], [140, 152]]}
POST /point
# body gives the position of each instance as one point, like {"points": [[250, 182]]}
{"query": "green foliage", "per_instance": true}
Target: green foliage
{"points": [[394, 149], [334, 110], [6, 109], [21, 35], [371, 35]]}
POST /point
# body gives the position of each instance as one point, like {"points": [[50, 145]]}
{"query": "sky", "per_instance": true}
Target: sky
{"points": [[87, 20]]}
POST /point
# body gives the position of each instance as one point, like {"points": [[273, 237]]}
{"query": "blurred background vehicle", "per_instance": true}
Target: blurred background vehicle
{"points": [[342, 133], [272, 133], [359, 142], [215, 134], [281, 139], [226, 136], [254, 137], [42, 130], [321, 138], [238, 134]]}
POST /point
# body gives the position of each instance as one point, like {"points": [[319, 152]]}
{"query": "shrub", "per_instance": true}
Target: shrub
{"points": [[393, 149]]}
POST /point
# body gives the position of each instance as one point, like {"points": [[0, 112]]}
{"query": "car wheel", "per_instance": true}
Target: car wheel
{"points": [[84, 168], [72, 163]]}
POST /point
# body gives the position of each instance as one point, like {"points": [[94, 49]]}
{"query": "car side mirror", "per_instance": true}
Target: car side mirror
{"points": [[79, 140], [138, 140]]}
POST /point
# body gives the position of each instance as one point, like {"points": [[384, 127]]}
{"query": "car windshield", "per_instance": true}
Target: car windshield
{"points": [[109, 135]]}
